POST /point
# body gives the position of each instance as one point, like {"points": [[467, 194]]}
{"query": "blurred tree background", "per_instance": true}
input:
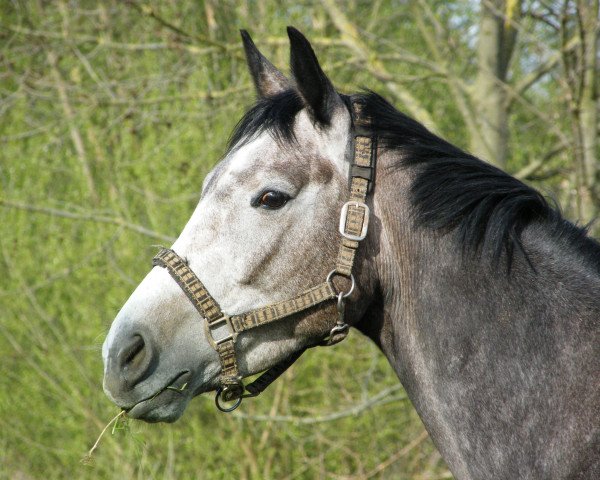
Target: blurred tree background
{"points": [[111, 114]]}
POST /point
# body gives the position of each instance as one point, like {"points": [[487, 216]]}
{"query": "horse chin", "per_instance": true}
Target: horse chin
{"points": [[167, 405], [169, 412]]}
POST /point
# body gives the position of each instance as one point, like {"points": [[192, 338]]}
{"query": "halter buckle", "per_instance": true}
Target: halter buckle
{"points": [[344, 219], [223, 323]]}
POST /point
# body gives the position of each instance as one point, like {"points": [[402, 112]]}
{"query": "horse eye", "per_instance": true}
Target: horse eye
{"points": [[271, 199]]}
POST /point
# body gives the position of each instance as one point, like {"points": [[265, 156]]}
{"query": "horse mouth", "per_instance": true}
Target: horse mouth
{"points": [[166, 404]]}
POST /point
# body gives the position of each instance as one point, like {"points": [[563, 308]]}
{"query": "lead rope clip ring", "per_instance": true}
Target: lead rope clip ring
{"points": [[221, 407]]}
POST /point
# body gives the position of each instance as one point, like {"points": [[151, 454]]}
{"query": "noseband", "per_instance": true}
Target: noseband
{"points": [[222, 329]]}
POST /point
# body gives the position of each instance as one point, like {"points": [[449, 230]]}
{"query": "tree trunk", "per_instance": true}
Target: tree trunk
{"points": [[497, 37], [581, 77], [588, 118]]}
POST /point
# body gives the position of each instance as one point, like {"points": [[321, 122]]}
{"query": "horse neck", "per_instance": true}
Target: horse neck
{"points": [[469, 341]]}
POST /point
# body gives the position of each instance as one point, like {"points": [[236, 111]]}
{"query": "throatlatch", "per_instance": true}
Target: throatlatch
{"points": [[222, 329]]}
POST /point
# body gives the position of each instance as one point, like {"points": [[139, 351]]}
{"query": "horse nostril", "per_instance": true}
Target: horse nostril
{"points": [[131, 356]]}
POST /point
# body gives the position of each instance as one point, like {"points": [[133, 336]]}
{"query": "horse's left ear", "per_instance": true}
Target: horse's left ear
{"points": [[267, 79], [312, 83]]}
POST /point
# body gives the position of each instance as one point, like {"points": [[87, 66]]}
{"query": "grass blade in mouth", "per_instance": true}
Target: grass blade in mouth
{"points": [[87, 459], [178, 390], [171, 387]]}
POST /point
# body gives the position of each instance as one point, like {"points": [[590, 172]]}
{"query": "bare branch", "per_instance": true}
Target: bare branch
{"points": [[150, 12], [91, 217], [73, 130], [531, 168], [382, 398], [66, 271], [395, 457], [351, 37], [206, 95], [456, 85], [532, 77]]}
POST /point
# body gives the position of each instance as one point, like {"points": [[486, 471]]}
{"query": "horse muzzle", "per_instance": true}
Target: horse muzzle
{"points": [[135, 380]]}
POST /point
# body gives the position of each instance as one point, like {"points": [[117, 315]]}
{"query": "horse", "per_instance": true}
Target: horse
{"points": [[483, 298]]}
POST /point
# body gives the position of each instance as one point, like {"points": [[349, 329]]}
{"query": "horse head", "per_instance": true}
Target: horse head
{"points": [[265, 228]]}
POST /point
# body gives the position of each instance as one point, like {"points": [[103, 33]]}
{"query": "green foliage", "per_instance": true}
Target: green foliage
{"points": [[111, 114]]}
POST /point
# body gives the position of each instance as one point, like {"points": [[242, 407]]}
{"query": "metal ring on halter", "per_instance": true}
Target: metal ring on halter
{"points": [[236, 404], [334, 272]]}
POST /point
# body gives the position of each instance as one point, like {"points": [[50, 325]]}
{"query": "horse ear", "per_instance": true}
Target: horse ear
{"points": [[267, 79], [312, 83]]}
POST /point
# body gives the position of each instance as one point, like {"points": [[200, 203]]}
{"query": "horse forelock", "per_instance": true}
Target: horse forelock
{"points": [[275, 113]]}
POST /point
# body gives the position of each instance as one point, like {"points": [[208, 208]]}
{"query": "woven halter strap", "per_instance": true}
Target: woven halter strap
{"points": [[222, 329]]}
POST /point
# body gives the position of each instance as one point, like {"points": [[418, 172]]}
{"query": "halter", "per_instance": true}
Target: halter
{"points": [[222, 329]]}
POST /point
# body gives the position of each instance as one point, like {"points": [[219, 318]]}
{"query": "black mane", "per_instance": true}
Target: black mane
{"points": [[453, 190], [275, 114]]}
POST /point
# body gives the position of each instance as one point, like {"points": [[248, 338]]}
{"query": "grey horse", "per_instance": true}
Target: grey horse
{"points": [[482, 296]]}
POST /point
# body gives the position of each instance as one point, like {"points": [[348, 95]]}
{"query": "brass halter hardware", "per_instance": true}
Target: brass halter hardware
{"points": [[222, 330]]}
